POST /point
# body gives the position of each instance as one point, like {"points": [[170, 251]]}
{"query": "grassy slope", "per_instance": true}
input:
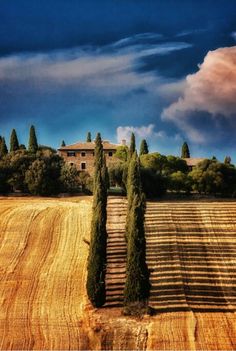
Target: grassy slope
{"points": [[43, 269]]}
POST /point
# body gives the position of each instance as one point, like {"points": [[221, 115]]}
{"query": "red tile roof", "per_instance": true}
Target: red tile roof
{"points": [[88, 146], [193, 161]]}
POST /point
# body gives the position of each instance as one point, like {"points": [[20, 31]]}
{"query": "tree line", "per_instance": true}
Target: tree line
{"points": [[161, 174], [37, 169]]}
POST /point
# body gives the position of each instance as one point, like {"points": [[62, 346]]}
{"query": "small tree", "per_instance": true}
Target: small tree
{"points": [[3, 148], [185, 151], [227, 160], [63, 143], [14, 143], [33, 143], [143, 148], [89, 138], [69, 178], [97, 250]]}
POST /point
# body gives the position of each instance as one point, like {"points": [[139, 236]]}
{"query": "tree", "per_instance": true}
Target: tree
{"points": [[179, 181], [227, 160], [14, 143], [22, 147], [69, 178], [132, 146], [3, 148], [122, 152], [143, 148], [89, 138], [33, 143], [98, 242], [137, 277], [63, 143], [185, 151]]}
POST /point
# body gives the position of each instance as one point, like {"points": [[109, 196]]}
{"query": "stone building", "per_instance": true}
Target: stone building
{"points": [[193, 161], [82, 154]]}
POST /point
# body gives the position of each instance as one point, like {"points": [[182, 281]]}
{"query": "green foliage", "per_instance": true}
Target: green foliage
{"points": [[89, 138], [122, 152], [69, 178], [63, 143], [86, 182], [43, 176], [153, 184], [143, 148], [14, 143], [185, 153], [3, 148], [212, 177], [132, 146], [137, 276], [22, 147], [179, 181], [97, 250], [227, 160], [33, 143], [116, 174]]}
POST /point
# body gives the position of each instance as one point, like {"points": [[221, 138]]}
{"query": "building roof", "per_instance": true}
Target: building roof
{"points": [[193, 161], [88, 146]]}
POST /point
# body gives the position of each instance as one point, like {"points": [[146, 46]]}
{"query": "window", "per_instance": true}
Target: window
{"points": [[83, 154], [110, 153], [71, 164], [93, 153], [70, 153], [83, 165]]}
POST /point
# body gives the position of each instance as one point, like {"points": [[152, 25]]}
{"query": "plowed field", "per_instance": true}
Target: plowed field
{"points": [[191, 253]]}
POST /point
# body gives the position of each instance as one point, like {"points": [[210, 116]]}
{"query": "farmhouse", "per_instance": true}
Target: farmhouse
{"points": [[81, 154], [193, 161]]}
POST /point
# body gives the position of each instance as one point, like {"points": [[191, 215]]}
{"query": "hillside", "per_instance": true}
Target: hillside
{"points": [[191, 251]]}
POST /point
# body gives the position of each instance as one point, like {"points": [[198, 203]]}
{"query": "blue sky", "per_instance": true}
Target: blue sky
{"points": [[164, 69]]}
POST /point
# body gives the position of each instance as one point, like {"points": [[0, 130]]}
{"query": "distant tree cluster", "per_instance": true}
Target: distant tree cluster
{"points": [[37, 170]]}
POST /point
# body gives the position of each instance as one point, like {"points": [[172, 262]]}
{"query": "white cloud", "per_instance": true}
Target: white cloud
{"points": [[212, 90], [145, 132], [109, 69]]}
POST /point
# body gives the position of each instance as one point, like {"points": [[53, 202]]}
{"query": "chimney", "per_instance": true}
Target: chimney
{"points": [[123, 142]]}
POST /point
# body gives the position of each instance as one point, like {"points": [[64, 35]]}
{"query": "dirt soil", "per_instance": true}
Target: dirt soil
{"points": [[191, 253]]}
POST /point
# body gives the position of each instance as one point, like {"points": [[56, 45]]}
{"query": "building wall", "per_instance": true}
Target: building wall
{"points": [[88, 159]]}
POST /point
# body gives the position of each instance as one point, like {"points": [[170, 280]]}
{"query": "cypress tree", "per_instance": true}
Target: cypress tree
{"points": [[185, 151], [137, 276], [97, 250], [89, 138], [3, 148], [132, 146], [63, 143], [14, 143], [143, 148], [33, 143], [227, 160]]}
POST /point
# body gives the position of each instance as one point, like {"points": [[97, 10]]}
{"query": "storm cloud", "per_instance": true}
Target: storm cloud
{"points": [[206, 111]]}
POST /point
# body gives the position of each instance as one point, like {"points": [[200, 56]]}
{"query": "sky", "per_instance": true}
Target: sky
{"points": [[165, 70]]}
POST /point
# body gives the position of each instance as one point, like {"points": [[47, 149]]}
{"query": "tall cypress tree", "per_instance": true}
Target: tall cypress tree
{"points": [[132, 146], [98, 242], [143, 148], [132, 149], [137, 276], [89, 138], [185, 151], [14, 143], [33, 143], [63, 143], [3, 148]]}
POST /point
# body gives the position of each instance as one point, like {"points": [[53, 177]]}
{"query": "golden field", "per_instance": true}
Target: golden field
{"points": [[191, 253]]}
